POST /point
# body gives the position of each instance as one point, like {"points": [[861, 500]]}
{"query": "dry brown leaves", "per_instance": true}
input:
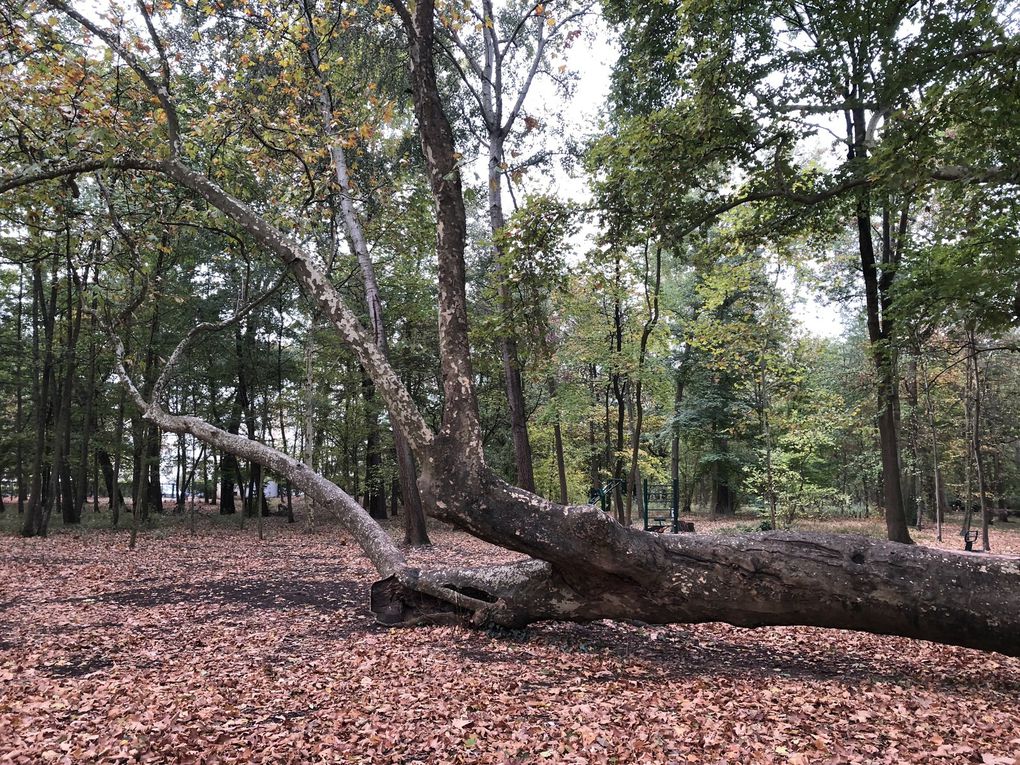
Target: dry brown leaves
{"points": [[222, 649]]}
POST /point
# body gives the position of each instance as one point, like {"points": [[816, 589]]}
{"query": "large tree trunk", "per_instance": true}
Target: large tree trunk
{"points": [[752, 580]]}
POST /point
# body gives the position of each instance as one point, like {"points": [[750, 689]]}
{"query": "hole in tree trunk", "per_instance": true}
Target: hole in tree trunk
{"points": [[473, 592]]}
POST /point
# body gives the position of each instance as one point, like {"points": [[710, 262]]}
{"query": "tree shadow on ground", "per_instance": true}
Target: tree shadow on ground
{"points": [[676, 653], [323, 596]]}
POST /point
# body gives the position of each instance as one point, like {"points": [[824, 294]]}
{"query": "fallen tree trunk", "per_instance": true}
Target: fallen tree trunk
{"points": [[756, 580], [594, 568], [587, 566]]}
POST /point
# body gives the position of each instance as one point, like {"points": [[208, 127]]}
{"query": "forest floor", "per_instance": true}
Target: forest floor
{"points": [[222, 648]]}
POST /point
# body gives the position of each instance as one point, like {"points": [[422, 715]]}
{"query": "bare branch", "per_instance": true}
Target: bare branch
{"points": [[204, 327]]}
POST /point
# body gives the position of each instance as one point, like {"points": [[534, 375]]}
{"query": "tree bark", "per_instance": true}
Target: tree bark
{"points": [[751, 580]]}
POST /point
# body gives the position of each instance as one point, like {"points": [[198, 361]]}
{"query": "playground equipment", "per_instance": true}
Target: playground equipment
{"points": [[661, 506], [602, 494]]}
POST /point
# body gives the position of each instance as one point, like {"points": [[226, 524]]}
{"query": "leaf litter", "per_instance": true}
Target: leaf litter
{"points": [[218, 648]]}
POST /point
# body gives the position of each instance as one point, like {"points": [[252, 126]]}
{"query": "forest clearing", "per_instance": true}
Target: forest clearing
{"points": [[509, 381], [220, 648]]}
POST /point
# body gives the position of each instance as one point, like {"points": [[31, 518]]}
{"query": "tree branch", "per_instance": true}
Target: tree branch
{"points": [[78, 168], [964, 174], [166, 374], [164, 65], [159, 90], [526, 86]]}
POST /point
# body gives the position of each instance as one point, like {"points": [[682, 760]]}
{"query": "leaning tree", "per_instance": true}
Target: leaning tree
{"points": [[581, 563]]}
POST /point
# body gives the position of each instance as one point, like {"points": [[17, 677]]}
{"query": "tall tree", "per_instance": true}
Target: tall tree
{"points": [[498, 66]]}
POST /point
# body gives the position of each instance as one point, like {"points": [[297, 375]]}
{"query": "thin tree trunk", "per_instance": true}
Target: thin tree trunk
{"points": [[375, 492], [116, 497], [509, 355], [138, 507], [939, 502], [44, 394], [880, 333], [652, 304], [110, 477], [19, 419], [968, 401], [229, 467], [561, 466], [978, 456], [770, 485], [498, 125], [89, 415], [308, 431], [619, 391], [915, 492]]}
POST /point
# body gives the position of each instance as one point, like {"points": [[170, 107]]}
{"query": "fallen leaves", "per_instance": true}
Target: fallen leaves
{"points": [[223, 649]]}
